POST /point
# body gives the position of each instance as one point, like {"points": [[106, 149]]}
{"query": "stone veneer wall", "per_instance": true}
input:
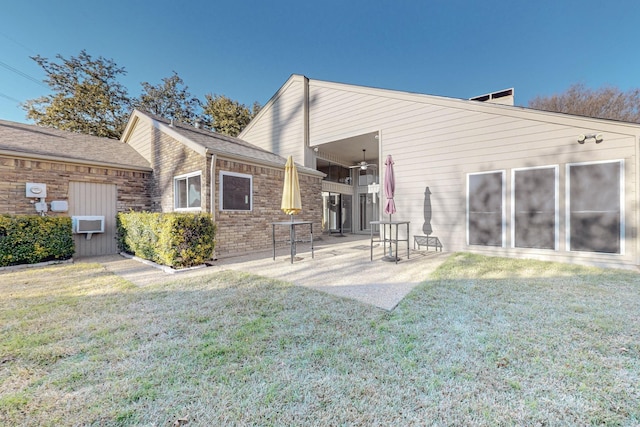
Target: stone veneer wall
{"points": [[133, 186], [244, 232]]}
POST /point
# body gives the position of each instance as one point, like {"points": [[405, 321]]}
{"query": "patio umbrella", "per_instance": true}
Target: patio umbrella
{"points": [[291, 201], [390, 205], [389, 187]]}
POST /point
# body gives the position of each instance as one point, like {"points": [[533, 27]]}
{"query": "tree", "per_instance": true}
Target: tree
{"points": [[169, 99], [606, 103], [87, 96], [227, 116]]}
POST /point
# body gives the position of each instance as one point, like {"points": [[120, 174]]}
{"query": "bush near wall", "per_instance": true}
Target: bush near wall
{"points": [[174, 239], [28, 239]]}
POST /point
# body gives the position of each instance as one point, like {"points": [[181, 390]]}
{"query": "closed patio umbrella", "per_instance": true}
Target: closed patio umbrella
{"points": [[291, 201], [389, 187], [390, 205]]}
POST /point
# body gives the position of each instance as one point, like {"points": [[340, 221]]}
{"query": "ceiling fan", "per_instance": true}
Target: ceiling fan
{"points": [[363, 165]]}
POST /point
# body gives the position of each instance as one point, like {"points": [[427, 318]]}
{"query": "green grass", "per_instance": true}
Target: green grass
{"points": [[486, 341]]}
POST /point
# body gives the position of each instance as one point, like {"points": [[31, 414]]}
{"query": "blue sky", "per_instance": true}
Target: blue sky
{"points": [[247, 49]]}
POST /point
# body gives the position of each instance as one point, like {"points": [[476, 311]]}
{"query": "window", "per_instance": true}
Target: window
{"points": [[186, 193], [334, 172], [485, 209], [535, 208], [595, 214], [236, 191]]}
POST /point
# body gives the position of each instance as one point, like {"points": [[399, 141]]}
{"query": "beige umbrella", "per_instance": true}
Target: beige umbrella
{"points": [[291, 201]]}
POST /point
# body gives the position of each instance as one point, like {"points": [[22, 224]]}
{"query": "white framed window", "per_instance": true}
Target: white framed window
{"points": [[595, 207], [486, 208], [236, 191], [187, 191], [534, 208]]}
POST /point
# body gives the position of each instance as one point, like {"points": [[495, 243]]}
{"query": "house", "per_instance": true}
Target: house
{"points": [[480, 174], [76, 175], [196, 170], [157, 166]]}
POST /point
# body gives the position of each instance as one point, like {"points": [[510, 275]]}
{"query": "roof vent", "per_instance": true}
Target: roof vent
{"points": [[198, 123], [503, 97]]}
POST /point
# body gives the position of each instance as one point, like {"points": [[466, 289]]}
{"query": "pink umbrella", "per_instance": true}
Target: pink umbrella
{"points": [[390, 206], [389, 187]]}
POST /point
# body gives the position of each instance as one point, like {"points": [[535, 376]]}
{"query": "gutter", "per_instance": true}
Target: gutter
{"points": [[59, 159], [303, 170]]}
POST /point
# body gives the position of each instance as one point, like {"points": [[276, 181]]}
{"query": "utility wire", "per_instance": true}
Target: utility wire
{"points": [[2, 95], [18, 43], [25, 75]]}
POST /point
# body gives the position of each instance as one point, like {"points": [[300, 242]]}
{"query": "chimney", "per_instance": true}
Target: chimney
{"points": [[504, 97]]}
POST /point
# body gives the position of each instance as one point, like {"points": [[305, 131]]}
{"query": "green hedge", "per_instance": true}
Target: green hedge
{"points": [[28, 239], [174, 239]]}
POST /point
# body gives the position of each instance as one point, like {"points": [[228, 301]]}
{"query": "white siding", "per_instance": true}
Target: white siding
{"points": [[280, 128], [436, 141], [140, 138]]}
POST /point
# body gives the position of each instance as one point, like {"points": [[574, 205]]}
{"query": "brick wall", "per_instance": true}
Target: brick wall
{"points": [[133, 186], [237, 232], [169, 159], [242, 232]]}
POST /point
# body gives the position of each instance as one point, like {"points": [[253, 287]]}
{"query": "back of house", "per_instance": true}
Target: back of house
{"points": [[485, 177]]}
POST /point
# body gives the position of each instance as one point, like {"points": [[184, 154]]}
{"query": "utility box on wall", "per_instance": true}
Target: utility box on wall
{"points": [[59, 206], [36, 190]]}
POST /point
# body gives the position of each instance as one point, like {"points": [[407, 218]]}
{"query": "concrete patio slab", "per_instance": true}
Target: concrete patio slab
{"points": [[341, 266]]}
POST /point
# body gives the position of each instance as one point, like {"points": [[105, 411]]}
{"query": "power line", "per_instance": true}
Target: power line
{"points": [[18, 43], [2, 95], [25, 75]]}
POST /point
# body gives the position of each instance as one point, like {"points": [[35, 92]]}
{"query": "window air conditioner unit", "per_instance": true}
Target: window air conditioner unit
{"points": [[88, 224]]}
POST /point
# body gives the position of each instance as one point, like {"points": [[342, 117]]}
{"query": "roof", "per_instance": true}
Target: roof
{"points": [[45, 143], [205, 141], [457, 103]]}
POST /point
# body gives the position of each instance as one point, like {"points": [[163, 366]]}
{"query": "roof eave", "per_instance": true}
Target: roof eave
{"points": [[466, 104], [256, 162], [60, 159]]}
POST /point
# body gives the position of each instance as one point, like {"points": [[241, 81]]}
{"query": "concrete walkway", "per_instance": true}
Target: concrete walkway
{"points": [[341, 266]]}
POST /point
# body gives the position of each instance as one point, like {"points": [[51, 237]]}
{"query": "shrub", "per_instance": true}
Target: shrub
{"points": [[28, 239], [173, 239]]}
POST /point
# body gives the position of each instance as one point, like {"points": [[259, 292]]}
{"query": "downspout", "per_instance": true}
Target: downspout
{"points": [[212, 192], [309, 158], [636, 207]]}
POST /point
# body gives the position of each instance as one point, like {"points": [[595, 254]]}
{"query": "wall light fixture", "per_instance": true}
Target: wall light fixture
{"points": [[597, 137]]}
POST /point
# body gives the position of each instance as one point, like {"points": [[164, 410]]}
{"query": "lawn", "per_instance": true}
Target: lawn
{"points": [[486, 341]]}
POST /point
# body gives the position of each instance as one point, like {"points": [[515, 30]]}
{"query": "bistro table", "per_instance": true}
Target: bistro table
{"points": [[390, 239], [292, 235]]}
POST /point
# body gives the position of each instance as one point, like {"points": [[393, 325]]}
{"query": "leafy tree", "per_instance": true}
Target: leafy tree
{"points": [[87, 96], [606, 103], [169, 99], [227, 116]]}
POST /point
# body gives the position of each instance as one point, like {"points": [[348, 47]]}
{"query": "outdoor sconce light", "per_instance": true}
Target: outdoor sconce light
{"points": [[597, 137]]}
